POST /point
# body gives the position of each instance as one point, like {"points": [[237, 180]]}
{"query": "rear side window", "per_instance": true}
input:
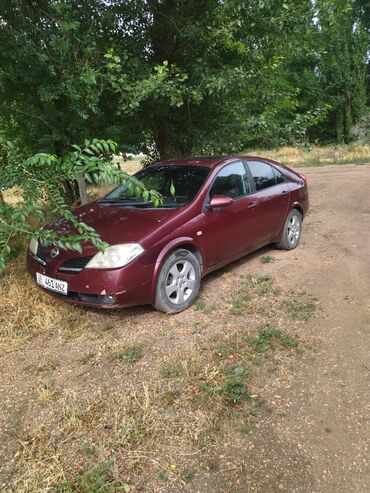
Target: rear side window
{"points": [[264, 175], [232, 181]]}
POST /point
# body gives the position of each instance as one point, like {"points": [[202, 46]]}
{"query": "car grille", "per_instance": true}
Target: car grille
{"points": [[74, 264]]}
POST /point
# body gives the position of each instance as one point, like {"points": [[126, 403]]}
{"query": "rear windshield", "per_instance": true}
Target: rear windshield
{"points": [[178, 186]]}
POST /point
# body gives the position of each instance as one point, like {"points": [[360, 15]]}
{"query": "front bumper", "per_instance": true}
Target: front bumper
{"points": [[112, 288]]}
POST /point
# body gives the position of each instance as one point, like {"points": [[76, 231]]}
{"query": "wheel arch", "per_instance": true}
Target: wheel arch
{"points": [[184, 242], [298, 206]]}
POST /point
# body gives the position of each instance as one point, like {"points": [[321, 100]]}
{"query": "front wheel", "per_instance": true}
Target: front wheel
{"points": [[178, 282], [292, 231]]}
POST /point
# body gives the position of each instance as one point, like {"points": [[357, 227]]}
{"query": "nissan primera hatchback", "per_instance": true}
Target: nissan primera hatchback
{"points": [[214, 211]]}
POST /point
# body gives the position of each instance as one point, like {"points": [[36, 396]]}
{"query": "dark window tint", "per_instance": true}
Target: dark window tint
{"points": [[178, 186], [278, 176], [263, 174], [231, 181]]}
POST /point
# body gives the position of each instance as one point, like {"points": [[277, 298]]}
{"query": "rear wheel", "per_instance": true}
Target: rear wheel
{"points": [[178, 282], [292, 231]]}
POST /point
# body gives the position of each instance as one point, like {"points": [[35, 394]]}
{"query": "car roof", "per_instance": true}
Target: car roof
{"points": [[210, 161]]}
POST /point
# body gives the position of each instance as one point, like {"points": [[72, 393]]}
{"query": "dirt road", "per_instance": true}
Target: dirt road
{"points": [[320, 441], [316, 437], [327, 426]]}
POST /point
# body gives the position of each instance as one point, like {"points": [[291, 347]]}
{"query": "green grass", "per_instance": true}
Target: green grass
{"points": [[172, 370], [130, 355], [86, 358], [268, 337], [200, 305], [267, 259], [233, 389], [98, 479], [262, 284], [241, 300], [301, 310]]}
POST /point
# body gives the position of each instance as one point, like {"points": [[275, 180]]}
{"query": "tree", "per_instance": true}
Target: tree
{"points": [[38, 181], [341, 68]]}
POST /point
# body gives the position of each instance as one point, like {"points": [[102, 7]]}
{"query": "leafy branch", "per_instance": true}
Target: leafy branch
{"points": [[37, 185]]}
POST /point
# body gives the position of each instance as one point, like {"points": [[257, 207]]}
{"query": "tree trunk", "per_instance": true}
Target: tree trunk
{"points": [[169, 148], [339, 126], [348, 117], [1, 197], [82, 190]]}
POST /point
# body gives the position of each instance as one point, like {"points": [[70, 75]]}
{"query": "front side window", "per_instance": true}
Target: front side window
{"points": [[263, 175], [231, 181], [177, 184]]}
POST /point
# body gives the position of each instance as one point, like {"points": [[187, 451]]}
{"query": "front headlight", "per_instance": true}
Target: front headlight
{"points": [[33, 246], [115, 256]]}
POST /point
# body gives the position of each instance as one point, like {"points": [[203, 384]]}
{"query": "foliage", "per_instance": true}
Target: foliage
{"points": [[267, 338], [38, 180], [169, 77], [51, 86], [181, 77]]}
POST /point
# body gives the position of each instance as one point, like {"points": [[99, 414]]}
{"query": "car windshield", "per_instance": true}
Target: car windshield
{"points": [[178, 186]]}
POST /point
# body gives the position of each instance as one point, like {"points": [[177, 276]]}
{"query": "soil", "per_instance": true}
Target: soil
{"points": [[317, 437], [320, 441]]}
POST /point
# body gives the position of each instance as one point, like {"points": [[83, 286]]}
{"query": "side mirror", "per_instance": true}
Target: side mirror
{"points": [[220, 201]]}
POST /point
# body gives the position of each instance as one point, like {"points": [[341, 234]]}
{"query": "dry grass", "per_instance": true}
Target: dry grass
{"points": [[155, 430], [316, 155], [26, 311]]}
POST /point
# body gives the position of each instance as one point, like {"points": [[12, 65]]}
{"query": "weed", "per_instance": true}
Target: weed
{"points": [[241, 300], [300, 309], [172, 370], [98, 479], [268, 337], [222, 350], [162, 474], [200, 305], [169, 397], [189, 475], [267, 259], [46, 392], [47, 365], [263, 284], [86, 358], [233, 389], [130, 355]]}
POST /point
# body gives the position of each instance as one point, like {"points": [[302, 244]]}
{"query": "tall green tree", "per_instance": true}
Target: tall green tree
{"points": [[51, 87], [343, 44]]}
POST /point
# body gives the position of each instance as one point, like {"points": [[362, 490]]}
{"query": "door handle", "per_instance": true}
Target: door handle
{"points": [[252, 205]]}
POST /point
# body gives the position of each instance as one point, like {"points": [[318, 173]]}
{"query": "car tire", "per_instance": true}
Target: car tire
{"points": [[178, 282], [292, 231]]}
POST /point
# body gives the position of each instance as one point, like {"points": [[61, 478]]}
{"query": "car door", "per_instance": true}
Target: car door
{"points": [[272, 192], [229, 231]]}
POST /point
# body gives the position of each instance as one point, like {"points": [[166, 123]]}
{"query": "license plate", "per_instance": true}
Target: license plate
{"points": [[52, 284]]}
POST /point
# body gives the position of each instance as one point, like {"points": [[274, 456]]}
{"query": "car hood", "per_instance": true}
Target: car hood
{"points": [[117, 224]]}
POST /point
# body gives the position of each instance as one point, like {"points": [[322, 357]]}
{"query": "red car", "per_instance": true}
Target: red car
{"points": [[214, 211]]}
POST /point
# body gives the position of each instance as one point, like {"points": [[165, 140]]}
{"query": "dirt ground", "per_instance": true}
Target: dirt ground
{"points": [[315, 436]]}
